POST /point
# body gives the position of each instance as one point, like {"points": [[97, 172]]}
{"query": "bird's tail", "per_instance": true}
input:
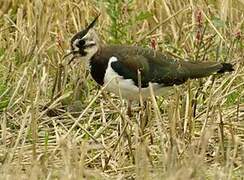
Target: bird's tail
{"points": [[199, 70], [226, 67]]}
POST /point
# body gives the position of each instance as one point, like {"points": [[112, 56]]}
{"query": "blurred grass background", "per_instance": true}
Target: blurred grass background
{"points": [[56, 123]]}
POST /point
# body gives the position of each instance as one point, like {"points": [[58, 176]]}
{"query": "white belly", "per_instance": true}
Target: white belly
{"points": [[125, 87]]}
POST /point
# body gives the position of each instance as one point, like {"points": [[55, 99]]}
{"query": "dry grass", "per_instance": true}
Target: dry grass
{"points": [[57, 124]]}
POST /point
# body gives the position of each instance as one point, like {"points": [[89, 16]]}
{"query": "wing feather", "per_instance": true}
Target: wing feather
{"points": [[156, 67]]}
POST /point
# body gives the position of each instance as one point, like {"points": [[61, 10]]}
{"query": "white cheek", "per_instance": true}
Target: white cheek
{"points": [[74, 45], [91, 51], [90, 43]]}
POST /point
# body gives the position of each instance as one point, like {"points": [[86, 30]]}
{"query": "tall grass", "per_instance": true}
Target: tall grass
{"points": [[56, 123]]}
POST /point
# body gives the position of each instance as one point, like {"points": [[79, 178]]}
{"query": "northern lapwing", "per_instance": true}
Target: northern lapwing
{"points": [[119, 65]]}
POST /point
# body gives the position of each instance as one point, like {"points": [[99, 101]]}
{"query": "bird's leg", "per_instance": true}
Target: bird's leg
{"points": [[127, 133], [144, 115], [143, 122], [129, 112]]}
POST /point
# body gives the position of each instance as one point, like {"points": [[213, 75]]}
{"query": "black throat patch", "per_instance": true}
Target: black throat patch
{"points": [[98, 66]]}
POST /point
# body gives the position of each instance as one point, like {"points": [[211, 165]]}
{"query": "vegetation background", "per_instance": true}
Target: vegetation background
{"points": [[56, 123]]}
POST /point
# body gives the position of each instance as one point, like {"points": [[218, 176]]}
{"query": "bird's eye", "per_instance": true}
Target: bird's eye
{"points": [[81, 43]]}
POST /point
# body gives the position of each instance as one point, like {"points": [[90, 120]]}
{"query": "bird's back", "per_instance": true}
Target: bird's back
{"points": [[154, 66]]}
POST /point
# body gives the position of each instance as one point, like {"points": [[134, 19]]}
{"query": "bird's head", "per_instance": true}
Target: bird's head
{"points": [[85, 43]]}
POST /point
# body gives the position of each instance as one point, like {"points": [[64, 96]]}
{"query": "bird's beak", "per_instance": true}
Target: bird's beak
{"points": [[68, 54]]}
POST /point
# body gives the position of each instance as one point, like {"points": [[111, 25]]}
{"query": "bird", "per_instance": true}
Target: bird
{"points": [[117, 66]]}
